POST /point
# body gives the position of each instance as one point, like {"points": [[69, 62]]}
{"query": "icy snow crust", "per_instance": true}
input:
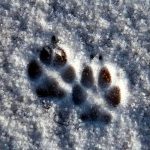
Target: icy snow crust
{"points": [[119, 31]]}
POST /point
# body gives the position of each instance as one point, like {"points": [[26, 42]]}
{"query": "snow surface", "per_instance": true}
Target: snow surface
{"points": [[119, 30]]}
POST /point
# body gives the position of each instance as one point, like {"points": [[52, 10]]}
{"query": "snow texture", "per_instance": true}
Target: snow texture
{"points": [[118, 31]]}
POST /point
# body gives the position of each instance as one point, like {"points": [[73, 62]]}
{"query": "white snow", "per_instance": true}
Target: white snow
{"points": [[83, 27]]}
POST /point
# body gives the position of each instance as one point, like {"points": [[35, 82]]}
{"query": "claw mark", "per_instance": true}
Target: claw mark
{"points": [[100, 57], [54, 40]]}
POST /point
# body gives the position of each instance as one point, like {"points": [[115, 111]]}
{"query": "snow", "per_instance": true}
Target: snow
{"points": [[119, 30]]}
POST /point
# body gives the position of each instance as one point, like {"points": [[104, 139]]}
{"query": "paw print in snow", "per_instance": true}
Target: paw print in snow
{"points": [[91, 84]]}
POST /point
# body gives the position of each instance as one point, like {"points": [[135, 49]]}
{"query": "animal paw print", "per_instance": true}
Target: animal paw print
{"points": [[88, 85]]}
